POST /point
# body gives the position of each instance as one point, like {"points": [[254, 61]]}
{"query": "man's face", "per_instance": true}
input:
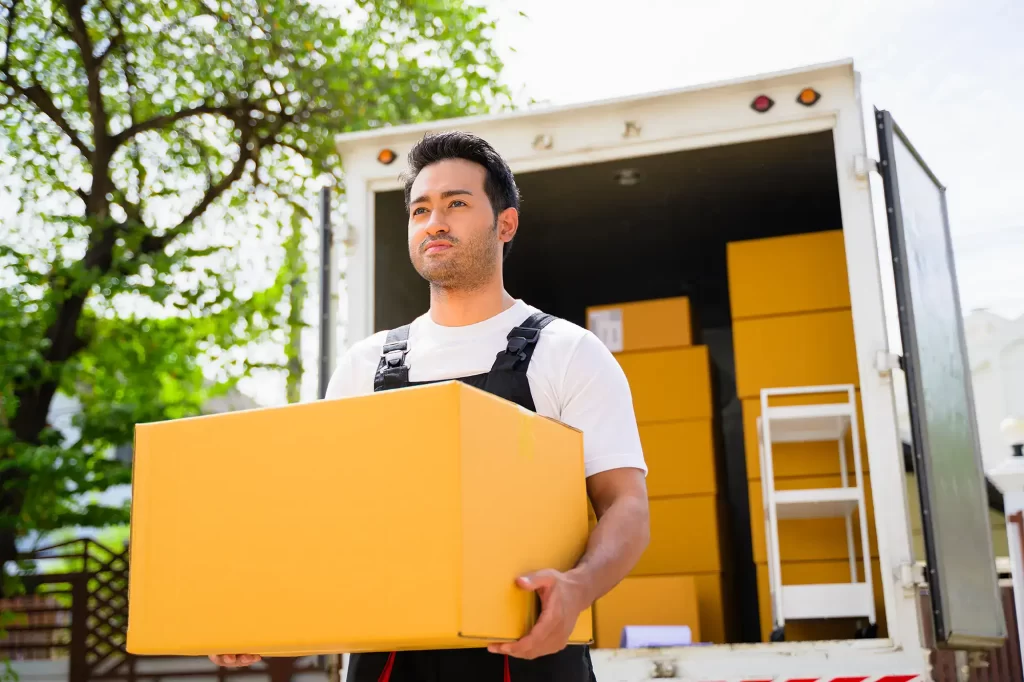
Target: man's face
{"points": [[454, 240]]}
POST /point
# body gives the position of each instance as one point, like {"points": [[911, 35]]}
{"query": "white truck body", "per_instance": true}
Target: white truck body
{"points": [[687, 119]]}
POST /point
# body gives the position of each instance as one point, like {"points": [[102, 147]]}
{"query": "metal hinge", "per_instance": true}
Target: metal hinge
{"points": [[886, 362], [911, 576], [662, 670], [863, 165]]}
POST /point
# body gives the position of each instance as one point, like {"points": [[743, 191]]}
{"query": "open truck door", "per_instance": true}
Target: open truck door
{"points": [[966, 608]]}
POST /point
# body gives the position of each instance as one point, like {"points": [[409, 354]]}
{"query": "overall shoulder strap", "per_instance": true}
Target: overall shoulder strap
{"points": [[392, 372], [522, 341]]}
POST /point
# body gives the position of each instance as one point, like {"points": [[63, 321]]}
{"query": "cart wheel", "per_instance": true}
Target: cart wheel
{"points": [[778, 635], [869, 631]]}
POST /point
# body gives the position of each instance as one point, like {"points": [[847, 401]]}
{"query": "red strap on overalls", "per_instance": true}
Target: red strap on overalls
{"points": [[385, 675]]}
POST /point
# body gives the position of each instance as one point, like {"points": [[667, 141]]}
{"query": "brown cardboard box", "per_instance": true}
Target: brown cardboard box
{"points": [[643, 325], [812, 349], [648, 600], [684, 536], [669, 385], [711, 598], [792, 274], [680, 458], [361, 524]]}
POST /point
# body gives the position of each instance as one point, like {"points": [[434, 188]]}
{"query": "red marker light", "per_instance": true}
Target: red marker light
{"points": [[762, 104]]}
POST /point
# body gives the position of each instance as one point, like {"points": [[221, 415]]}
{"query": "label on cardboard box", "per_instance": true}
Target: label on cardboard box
{"points": [[607, 326]]}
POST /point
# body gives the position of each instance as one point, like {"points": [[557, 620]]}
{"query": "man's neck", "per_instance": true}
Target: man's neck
{"points": [[458, 308]]}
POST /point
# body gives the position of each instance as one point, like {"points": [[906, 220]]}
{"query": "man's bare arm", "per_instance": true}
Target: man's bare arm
{"points": [[619, 498]]}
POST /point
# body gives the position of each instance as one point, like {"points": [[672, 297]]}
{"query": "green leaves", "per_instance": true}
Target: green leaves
{"points": [[167, 156]]}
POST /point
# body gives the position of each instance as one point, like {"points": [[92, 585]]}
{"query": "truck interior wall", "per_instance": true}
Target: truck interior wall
{"points": [[589, 235]]}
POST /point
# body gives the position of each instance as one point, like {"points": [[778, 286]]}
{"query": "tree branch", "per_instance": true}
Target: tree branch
{"points": [[12, 15], [38, 95], [155, 244], [236, 111], [114, 40], [101, 153]]}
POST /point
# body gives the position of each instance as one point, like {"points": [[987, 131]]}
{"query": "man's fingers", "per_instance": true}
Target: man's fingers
{"points": [[534, 643], [235, 660], [536, 581]]}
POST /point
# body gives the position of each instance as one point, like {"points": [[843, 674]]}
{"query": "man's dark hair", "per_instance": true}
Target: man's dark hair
{"points": [[499, 184]]}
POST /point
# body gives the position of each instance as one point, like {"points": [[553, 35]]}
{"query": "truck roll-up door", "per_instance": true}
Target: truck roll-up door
{"points": [[947, 456]]}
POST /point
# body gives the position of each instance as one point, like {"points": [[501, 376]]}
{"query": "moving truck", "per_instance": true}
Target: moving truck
{"points": [[796, 242]]}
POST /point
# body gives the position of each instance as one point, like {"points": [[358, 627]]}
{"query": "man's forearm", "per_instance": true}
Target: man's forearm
{"points": [[614, 547]]}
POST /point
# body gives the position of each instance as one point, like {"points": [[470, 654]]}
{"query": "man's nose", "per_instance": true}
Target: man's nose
{"points": [[437, 224]]}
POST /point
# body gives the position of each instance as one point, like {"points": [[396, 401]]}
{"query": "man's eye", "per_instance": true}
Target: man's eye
{"points": [[418, 210], [457, 201]]}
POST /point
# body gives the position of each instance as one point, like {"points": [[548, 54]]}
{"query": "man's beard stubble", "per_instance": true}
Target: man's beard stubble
{"points": [[469, 267]]}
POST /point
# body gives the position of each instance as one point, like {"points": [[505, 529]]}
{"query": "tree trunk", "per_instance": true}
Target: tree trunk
{"points": [[8, 548], [35, 395]]}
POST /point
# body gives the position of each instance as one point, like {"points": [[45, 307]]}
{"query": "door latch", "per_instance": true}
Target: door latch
{"points": [[886, 362], [863, 165], [911, 576]]}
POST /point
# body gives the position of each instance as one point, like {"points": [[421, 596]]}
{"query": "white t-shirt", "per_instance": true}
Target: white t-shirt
{"points": [[573, 377]]}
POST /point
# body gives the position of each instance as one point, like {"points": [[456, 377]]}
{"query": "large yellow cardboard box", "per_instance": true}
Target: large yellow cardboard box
{"points": [[680, 457], [712, 606], [800, 459], [643, 325], [791, 274], [649, 600], [398, 520], [669, 385], [811, 572], [809, 539], [813, 349], [684, 536]]}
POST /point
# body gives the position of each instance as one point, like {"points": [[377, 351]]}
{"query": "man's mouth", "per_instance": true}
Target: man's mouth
{"points": [[436, 247]]}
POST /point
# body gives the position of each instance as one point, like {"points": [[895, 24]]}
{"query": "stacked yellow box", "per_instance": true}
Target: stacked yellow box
{"points": [[793, 326], [678, 580]]}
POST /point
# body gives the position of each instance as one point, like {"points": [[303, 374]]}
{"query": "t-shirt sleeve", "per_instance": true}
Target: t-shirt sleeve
{"points": [[341, 383], [597, 401], [352, 377]]}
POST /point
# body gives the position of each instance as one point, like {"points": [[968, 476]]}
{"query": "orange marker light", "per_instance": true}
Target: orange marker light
{"points": [[386, 156], [808, 96]]}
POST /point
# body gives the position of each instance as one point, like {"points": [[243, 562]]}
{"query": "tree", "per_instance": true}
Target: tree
{"points": [[166, 149]]}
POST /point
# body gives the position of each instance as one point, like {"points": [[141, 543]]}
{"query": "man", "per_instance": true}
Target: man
{"points": [[463, 215]]}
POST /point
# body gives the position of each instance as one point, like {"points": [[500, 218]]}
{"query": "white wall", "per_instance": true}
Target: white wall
{"points": [[995, 346]]}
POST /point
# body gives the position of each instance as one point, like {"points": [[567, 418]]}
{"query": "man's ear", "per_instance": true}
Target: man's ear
{"points": [[508, 224]]}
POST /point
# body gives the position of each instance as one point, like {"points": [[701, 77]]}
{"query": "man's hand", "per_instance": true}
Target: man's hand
{"points": [[235, 660], [562, 601]]}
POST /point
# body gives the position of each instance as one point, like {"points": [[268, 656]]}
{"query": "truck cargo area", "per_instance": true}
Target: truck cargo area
{"points": [[588, 236], [653, 228]]}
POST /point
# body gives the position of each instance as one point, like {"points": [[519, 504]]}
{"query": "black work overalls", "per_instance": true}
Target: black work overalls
{"points": [[507, 379]]}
